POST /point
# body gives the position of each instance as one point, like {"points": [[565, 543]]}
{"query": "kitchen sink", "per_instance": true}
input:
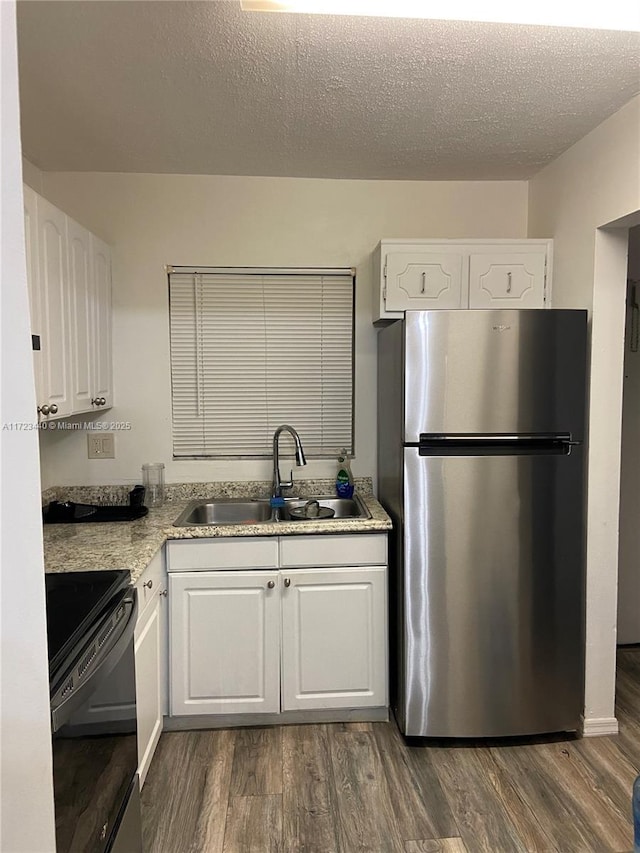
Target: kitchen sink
{"points": [[259, 511], [224, 511], [342, 508]]}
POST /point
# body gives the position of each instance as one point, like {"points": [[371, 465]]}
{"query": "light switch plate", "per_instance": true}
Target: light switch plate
{"points": [[101, 445]]}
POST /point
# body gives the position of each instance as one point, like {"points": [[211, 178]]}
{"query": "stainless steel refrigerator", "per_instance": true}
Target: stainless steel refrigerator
{"points": [[480, 464]]}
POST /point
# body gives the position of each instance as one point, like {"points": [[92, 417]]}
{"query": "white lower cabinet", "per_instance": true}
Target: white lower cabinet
{"points": [[151, 660], [281, 639], [333, 648], [225, 632]]}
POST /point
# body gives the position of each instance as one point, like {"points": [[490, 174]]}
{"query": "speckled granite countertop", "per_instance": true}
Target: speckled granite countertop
{"points": [[132, 545]]}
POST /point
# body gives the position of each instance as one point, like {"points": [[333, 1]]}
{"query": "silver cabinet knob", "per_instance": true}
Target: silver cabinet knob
{"points": [[271, 584], [148, 584], [47, 410], [287, 582], [164, 592], [99, 401]]}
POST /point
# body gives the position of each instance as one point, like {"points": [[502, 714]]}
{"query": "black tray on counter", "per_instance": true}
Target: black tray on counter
{"points": [[68, 512], [72, 513]]}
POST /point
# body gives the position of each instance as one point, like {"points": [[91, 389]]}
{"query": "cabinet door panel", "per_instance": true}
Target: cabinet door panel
{"points": [[81, 328], [102, 345], [507, 280], [334, 638], [31, 247], [148, 687], [421, 280], [224, 642], [328, 550], [251, 552], [53, 289]]}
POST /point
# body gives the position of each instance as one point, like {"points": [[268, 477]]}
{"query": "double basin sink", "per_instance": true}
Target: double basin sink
{"points": [[260, 511]]}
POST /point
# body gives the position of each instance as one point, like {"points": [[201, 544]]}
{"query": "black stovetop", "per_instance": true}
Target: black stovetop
{"points": [[75, 601]]}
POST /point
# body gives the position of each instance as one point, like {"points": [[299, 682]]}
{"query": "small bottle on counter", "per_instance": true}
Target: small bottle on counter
{"points": [[344, 477]]}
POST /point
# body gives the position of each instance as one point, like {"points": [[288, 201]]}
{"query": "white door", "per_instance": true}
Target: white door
{"points": [[507, 280], [225, 640], [54, 307], [334, 638], [102, 347], [81, 316], [148, 651], [421, 280]]}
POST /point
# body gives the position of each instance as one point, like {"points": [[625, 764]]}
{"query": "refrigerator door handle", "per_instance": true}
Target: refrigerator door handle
{"points": [[506, 445], [504, 438]]}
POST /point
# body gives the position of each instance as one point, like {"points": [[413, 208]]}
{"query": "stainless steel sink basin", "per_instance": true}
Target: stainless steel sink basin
{"points": [[342, 508], [259, 510], [224, 511]]}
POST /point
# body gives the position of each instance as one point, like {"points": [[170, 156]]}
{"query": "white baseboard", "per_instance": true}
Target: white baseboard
{"points": [[598, 726], [284, 718]]}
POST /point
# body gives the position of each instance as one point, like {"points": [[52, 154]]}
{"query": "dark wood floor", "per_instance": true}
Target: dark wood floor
{"points": [[360, 787]]}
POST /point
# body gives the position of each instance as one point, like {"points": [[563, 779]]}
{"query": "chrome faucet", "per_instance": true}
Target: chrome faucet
{"points": [[278, 484]]}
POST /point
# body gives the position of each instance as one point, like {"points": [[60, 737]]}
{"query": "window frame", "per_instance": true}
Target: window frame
{"points": [[266, 271]]}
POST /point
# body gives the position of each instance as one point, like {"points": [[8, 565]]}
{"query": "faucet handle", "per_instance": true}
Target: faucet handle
{"points": [[288, 483]]}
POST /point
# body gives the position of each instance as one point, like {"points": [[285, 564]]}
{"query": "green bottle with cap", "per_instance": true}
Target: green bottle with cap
{"points": [[344, 477]]}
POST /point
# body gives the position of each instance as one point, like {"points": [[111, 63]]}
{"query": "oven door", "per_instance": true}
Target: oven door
{"points": [[95, 755]]}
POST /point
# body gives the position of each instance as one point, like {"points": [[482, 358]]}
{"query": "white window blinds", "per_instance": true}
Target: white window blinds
{"points": [[251, 350]]}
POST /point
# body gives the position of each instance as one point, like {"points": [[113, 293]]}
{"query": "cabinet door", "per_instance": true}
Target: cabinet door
{"points": [[334, 638], [102, 346], [148, 651], [54, 303], [421, 280], [31, 247], [505, 280], [81, 323], [225, 637]]}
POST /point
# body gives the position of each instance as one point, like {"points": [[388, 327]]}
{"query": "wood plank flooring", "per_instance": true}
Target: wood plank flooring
{"points": [[360, 788]]}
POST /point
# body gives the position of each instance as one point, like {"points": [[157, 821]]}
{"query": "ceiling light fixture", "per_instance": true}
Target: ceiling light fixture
{"points": [[610, 15]]}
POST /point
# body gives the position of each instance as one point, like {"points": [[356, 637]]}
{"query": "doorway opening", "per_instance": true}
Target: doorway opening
{"points": [[628, 652]]}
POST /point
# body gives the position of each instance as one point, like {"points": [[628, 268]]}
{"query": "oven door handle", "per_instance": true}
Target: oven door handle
{"points": [[106, 659]]}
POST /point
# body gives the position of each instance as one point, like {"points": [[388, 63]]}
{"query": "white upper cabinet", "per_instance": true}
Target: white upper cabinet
{"points": [[425, 274], [102, 389], [507, 280], [81, 316], [425, 279], [31, 245], [69, 276], [53, 299]]}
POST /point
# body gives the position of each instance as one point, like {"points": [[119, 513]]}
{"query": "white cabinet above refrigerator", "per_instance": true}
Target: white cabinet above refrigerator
{"points": [[444, 274]]}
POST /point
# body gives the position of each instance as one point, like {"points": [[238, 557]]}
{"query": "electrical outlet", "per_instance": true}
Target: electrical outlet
{"points": [[100, 445]]}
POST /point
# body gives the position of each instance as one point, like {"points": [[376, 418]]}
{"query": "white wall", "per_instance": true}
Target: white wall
{"points": [[629, 563], [153, 220], [26, 787], [594, 183]]}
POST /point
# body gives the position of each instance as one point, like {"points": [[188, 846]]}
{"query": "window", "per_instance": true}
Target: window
{"points": [[252, 349]]}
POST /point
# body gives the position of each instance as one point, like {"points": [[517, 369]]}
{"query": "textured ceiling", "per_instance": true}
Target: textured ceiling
{"points": [[204, 88]]}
